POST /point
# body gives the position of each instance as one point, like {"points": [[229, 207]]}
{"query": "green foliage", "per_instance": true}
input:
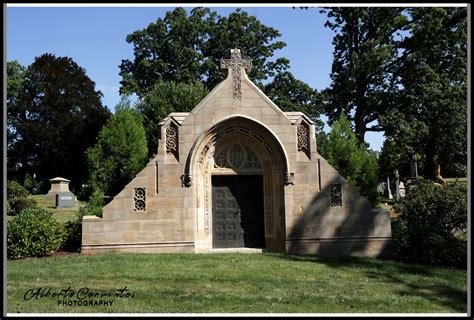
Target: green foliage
{"points": [[17, 198], [431, 215], [73, 233], [187, 48], [73, 228], [322, 139], [120, 151], [15, 190], [33, 233], [365, 49], [429, 114], [16, 205], [166, 97], [94, 205], [56, 117], [403, 71], [291, 94], [15, 76], [353, 161]]}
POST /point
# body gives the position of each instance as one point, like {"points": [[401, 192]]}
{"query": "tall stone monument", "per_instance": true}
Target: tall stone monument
{"points": [[237, 174]]}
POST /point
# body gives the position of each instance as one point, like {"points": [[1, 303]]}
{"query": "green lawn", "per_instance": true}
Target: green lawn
{"points": [[61, 215], [238, 283]]}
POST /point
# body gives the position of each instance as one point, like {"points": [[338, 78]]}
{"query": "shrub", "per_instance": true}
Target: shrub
{"points": [[17, 198], [430, 217], [16, 205], [15, 190], [73, 228], [94, 205], [33, 233], [73, 236]]}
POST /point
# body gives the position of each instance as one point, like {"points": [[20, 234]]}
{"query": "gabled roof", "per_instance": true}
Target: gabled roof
{"points": [[177, 117], [297, 116]]}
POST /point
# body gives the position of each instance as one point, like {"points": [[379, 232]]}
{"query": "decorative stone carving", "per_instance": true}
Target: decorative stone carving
{"points": [[139, 199], [236, 156], [336, 195], [252, 160], [235, 64], [186, 180], [289, 178], [172, 140], [303, 138]]}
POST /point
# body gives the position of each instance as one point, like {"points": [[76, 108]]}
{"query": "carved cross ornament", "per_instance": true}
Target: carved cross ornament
{"points": [[235, 64]]}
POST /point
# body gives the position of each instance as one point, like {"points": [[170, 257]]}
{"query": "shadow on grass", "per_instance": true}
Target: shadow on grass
{"points": [[386, 271]]}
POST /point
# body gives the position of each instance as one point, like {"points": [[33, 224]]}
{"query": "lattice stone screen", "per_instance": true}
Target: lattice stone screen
{"points": [[336, 195], [139, 199], [303, 139]]}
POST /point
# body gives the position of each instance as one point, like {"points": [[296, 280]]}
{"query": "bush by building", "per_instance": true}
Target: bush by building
{"points": [[33, 233], [431, 219]]}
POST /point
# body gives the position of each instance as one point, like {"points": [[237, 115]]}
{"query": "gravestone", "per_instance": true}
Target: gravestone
{"points": [[235, 174], [401, 187], [65, 200]]}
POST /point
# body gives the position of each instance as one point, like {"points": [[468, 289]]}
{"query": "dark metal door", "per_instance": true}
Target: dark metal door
{"points": [[237, 203]]}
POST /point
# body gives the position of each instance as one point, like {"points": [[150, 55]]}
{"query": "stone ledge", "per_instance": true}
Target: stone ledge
{"points": [[144, 247]]}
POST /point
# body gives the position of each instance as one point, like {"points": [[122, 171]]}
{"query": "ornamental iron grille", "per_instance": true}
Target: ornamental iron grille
{"points": [[303, 138], [336, 195], [139, 199]]}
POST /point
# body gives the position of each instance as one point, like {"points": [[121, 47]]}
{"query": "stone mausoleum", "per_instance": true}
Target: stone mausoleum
{"points": [[237, 174]]}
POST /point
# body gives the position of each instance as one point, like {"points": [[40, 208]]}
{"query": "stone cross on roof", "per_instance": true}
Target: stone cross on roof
{"points": [[236, 63]]}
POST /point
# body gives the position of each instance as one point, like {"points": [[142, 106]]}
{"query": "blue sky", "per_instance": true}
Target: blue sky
{"points": [[94, 37]]}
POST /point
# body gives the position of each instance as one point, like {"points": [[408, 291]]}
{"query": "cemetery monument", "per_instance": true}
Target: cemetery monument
{"points": [[237, 174]]}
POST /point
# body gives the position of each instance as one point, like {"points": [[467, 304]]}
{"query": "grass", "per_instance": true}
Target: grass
{"points": [[239, 283], [62, 214]]}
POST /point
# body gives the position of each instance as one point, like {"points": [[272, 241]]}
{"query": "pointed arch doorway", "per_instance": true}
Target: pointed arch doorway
{"points": [[238, 168]]}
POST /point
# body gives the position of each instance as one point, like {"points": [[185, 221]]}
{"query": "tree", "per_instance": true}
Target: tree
{"points": [[120, 151], [15, 76], [291, 94], [403, 71], [351, 158], [365, 50], [187, 48], [55, 118], [430, 114], [166, 97]]}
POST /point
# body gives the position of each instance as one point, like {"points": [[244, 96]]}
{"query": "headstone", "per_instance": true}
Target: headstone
{"points": [[401, 187], [65, 200], [381, 188], [58, 185]]}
